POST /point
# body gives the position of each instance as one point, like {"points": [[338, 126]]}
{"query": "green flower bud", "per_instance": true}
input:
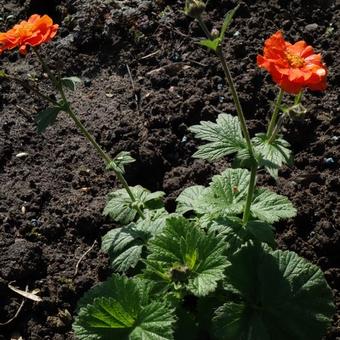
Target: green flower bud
{"points": [[194, 8]]}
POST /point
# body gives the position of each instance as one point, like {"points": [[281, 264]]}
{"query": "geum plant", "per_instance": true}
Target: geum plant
{"points": [[209, 270]]}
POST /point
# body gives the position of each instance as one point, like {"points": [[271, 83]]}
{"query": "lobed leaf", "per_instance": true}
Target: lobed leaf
{"points": [[271, 207], [70, 82], [122, 308], [119, 162], [227, 21], [224, 137], [186, 257], [283, 297], [125, 245], [273, 155], [122, 209]]}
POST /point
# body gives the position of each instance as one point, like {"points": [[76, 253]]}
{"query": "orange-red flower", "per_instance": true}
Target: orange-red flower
{"points": [[33, 32], [293, 66]]}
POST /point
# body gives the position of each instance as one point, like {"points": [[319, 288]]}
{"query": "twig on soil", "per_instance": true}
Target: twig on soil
{"points": [[17, 312], [149, 55], [82, 257], [133, 87], [28, 295]]}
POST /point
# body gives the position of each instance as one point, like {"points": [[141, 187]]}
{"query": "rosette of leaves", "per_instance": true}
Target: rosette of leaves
{"points": [[281, 296], [123, 308], [225, 138], [121, 208], [226, 196], [125, 246], [183, 257]]}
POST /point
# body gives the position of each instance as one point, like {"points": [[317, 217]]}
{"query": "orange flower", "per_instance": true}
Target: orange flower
{"points": [[37, 30], [293, 67]]}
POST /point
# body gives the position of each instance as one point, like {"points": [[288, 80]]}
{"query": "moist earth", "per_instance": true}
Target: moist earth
{"points": [[53, 186]]}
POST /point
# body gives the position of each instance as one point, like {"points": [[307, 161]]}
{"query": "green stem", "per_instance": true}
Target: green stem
{"points": [[232, 88], [298, 97], [275, 114], [276, 130], [107, 159], [251, 189]]}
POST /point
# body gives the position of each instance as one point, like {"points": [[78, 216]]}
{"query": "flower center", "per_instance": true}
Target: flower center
{"points": [[294, 60]]}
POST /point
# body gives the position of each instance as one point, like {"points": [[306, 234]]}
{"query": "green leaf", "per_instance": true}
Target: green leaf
{"points": [[270, 207], [184, 257], [47, 117], [121, 308], [227, 192], [224, 137], [227, 21], [122, 209], [2, 74], [70, 82], [125, 245], [284, 297], [261, 231], [119, 162], [189, 199], [211, 44], [273, 155]]}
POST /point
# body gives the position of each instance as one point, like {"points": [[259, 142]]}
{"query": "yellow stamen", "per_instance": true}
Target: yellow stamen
{"points": [[294, 60]]}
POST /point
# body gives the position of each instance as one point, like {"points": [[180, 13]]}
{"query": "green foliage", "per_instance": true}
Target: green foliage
{"points": [[119, 162], [283, 297], [273, 155], [125, 245], [214, 44], [226, 196], [271, 207], [224, 137], [123, 308], [235, 233], [121, 208], [47, 117], [185, 257], [70, 82]]}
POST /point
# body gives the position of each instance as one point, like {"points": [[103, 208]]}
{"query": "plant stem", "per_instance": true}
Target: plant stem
{"points": [[275, 113], [276, 130], [298, 97], [251, 189], [107, 159], [232, 88]]}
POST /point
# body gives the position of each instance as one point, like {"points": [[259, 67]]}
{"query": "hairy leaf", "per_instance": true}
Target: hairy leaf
{"points": [[119, 162], [47, 117], [121, 208], [284, 297], [273, 155], [227, 21], [125, 245], [186, 257], [70, 82], [270, 207], [122, 308], [189, 199], [224, 137], [211, 44]]}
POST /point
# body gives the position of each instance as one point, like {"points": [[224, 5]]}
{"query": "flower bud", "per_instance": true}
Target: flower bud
{"points": [[215, 33], [194, 8]]}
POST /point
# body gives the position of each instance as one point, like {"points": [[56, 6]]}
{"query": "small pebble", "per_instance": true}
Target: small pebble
{"points": [[219, 86], [184, 139], [237, 33], [329, 161], [335, 138], [311, 27], [221, 99]]}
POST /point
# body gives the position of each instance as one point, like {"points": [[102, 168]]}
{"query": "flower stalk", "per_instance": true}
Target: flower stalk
{"points": [[65, 106], [273, 119], [243, 124]]}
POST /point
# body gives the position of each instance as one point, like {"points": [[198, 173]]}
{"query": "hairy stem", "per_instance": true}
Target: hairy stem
{"points": [[232, 88], [276, 130], [107, 159], [273, 119], [251, 189], [298, 97]]}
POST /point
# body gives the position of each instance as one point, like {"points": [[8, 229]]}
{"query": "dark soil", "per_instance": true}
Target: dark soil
{"points": [[52, 196]]}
